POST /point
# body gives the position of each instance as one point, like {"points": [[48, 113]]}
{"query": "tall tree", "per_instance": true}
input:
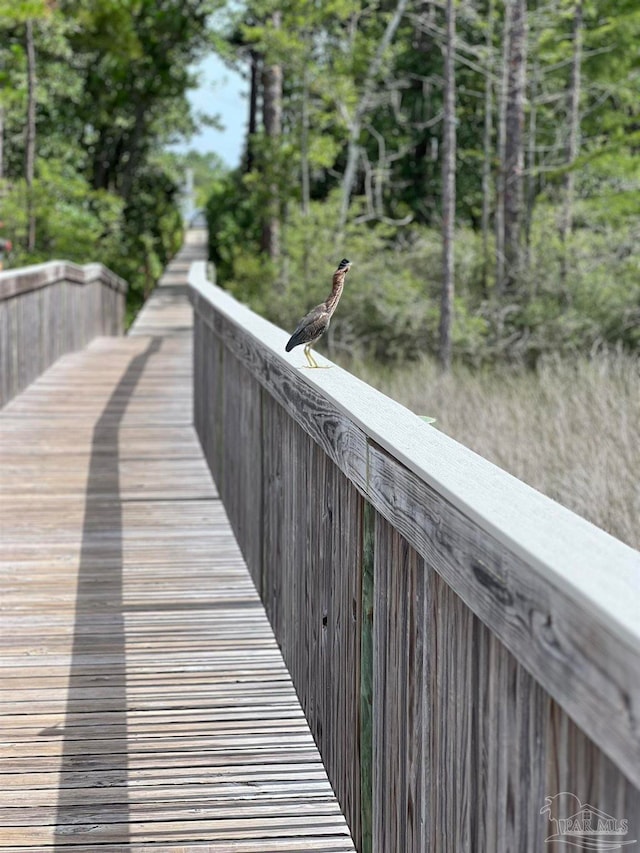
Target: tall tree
{"points": [[501, 148], [147, 55], [573, 116], [514, 144], [272, 117], [30, 134], [305, 177], [252, 123], [111, 82], [448, 187], [487, 140], [530, 191]]}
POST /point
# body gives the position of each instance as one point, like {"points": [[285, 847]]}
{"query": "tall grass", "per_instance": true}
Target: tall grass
{"points": [[569, 429]]}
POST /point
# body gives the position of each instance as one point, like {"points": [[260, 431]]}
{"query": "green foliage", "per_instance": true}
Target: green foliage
{"points": [[598, 304], [112, 77], [19, 11], [389, 310], [233, 219], [577, 288], [71, 218], [152, 231]]}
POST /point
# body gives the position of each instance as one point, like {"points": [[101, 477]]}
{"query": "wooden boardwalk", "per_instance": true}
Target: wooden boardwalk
{"points": [[144, 702]]}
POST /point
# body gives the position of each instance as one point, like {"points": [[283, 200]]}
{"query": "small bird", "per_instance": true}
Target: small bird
{"points": [[314, 324]]}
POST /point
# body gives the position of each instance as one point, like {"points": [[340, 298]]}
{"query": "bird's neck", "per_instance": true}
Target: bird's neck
{"points": [[336, 290]]}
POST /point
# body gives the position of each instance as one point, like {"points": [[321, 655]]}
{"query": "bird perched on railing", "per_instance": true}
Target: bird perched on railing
{"points": [[314, 324]]}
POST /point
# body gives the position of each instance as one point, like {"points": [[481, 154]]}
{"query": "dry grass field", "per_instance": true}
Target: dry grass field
{"points": [[570, 430]]}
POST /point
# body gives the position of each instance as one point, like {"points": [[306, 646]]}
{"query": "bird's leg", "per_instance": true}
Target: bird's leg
{"points": [[312, 361], [310, 358]]}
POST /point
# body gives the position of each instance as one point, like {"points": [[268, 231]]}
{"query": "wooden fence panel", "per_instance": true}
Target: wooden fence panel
{"points": [[311, 567], [304, 555], [458, 723], [456, 669], [5, 353], [331, 569], [51, 309], [241, 481], [8, 348], [208, 360]]}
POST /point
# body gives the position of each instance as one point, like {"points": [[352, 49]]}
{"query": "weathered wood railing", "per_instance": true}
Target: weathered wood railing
{"points": [[463, 646], [51, 309]]}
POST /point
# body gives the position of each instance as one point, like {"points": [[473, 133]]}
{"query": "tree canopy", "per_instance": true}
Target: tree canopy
{"points": [[505, 131], [546, 183], [110, 81]]}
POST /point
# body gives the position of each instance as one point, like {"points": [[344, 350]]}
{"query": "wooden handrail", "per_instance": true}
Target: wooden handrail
{"points": [[26, 279], [561, 596]]}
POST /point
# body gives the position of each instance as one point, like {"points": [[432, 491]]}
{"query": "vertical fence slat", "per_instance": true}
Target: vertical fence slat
{"points": [[241, 481], [367, 677]]}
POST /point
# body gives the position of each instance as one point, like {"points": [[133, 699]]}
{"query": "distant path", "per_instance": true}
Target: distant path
{"points": [[144, 702]]}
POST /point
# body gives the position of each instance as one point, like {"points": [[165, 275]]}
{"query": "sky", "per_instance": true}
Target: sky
{"points": [[222, 92]]}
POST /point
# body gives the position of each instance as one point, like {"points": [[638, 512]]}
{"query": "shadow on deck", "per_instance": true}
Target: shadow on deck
{"points": [[98, 655]]}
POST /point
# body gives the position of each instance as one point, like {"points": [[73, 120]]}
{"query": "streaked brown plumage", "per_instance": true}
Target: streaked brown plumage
{"points": [[314, 324]]}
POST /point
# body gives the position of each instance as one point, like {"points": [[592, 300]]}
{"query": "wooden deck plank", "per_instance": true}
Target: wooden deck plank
{"points": [[144, 703]]}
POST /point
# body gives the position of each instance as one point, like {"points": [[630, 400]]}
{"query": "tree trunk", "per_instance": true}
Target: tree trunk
{"points": [[254, 87], [514, 148], [304, 145], [305, 179], [502, 137], [135, 150], [30, 142], [272, 117], [448, 188], [487, 137], [573, 141], [531, 157], [349, 175]]}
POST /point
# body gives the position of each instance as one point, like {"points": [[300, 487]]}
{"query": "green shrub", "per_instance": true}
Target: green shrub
{"points": [[572, 298]]}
